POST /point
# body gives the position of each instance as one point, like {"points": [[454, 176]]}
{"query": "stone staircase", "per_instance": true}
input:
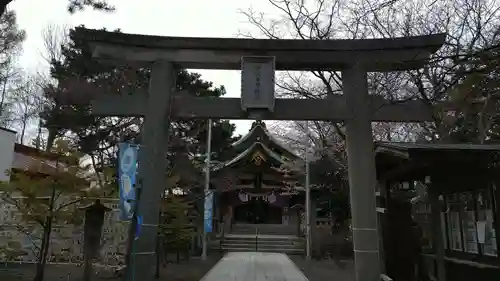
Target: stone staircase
{"points": [[263, 238], [267, 229]]}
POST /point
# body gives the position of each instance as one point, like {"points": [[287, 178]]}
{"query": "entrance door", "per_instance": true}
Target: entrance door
{"points": [[257, 211]]}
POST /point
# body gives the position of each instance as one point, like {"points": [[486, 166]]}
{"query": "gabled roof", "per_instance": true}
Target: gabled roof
{"points": [[259, 130], [36, 160], [255, 147]]}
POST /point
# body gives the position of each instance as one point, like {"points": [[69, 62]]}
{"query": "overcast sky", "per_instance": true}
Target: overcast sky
{"points": [[196, 18]]}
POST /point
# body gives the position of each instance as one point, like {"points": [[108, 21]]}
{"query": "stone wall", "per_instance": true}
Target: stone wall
{"points": [[66, 240]]}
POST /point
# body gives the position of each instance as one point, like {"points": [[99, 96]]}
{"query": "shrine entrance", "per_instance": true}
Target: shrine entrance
{"points": [[258, 211], [160, 103]]}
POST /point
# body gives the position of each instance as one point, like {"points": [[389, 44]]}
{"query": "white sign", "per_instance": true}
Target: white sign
{"points": [[257, 83], [481, 231]]}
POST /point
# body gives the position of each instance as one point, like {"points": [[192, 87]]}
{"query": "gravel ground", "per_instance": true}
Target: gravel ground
{"points": [[325, 270]]}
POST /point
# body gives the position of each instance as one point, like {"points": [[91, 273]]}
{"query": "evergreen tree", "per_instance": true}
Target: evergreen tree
{"points": [[73, 5], [176, 231], [98, 136]]}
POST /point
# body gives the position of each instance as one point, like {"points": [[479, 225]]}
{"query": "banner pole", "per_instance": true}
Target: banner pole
{"points": [[207, 185]]}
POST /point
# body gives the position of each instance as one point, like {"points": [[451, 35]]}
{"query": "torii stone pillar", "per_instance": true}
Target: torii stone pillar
{"points": [[152, 159], [362, 176]]}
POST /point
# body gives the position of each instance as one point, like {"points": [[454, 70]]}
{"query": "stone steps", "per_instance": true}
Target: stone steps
{"points": [[283, 251], [269, 229], [274, 238], [262, 243]]}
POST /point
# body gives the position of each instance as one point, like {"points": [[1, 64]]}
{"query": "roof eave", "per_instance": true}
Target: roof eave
{"points": [[246, 152]]}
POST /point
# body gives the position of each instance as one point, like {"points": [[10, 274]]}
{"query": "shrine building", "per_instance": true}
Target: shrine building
{"points": [[260, 193]]}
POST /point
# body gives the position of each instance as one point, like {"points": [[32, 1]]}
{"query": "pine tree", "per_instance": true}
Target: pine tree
{"points": [[176, 229], [73, 5]]}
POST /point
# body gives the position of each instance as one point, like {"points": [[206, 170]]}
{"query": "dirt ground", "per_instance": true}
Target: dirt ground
{"points": [[22, 272]]}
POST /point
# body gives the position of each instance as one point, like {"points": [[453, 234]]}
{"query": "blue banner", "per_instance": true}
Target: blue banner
{"points": [[127, 169], [209, 202], [138, 227]]}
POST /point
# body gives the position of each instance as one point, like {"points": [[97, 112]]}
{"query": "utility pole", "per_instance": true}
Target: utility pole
{"points": [[207, 185]]}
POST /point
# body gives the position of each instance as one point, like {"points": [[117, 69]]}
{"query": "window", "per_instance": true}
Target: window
{"points": [[443, 230], [422, 215], [486, 231], [469, 223], [453, 207]]}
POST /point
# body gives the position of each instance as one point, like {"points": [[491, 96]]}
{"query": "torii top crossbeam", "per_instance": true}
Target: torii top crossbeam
{"points": [[378, 55]]}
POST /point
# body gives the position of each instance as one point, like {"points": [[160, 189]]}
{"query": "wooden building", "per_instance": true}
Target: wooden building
{"points": [[259, 188], [439, 210]]}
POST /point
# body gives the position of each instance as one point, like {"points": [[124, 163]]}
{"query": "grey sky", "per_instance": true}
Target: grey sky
{"points": [[200, 18]]}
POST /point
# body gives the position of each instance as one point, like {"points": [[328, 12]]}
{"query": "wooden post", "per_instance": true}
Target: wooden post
{"points": [[437, 235], [496, 208], [382, 209], [308, 207], [362, 175]]}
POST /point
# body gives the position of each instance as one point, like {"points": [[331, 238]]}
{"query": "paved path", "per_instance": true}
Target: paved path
{"points": [[251, 266]]}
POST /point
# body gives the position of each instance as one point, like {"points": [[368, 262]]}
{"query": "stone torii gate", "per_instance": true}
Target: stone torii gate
{"points": [[258, 59]]}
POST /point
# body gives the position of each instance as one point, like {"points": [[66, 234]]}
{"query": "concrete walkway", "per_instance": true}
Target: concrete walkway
{"points": [[252, 266]]}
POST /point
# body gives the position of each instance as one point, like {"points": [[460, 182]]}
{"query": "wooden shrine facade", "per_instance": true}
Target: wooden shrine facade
{"points": [[259, 182], [439, 208]]}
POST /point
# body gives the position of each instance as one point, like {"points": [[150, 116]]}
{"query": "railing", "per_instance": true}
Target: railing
{"points": [[221, 235], [323, 222], [256, 239]]}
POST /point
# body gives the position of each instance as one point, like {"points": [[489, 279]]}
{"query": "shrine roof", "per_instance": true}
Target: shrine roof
{"points": [[406, 150], [421, 158], [259, 133], [256, 147]]}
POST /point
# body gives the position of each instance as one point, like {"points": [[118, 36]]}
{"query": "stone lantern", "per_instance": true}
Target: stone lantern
{"points": [[94, 220]]}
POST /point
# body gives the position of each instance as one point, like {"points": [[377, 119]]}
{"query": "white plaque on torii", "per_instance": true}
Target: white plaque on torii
{"points": [[257, 83]]}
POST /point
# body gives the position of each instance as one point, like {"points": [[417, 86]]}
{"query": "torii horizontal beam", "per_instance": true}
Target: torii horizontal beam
{"points": [[225, 53], [333, 108]]}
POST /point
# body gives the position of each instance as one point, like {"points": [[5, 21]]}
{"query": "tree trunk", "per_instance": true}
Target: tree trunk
{"points": [[51, 138], [23, 130], [47, 230], [2, 101], [3, 6], [44, 250], [38, 141]]}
